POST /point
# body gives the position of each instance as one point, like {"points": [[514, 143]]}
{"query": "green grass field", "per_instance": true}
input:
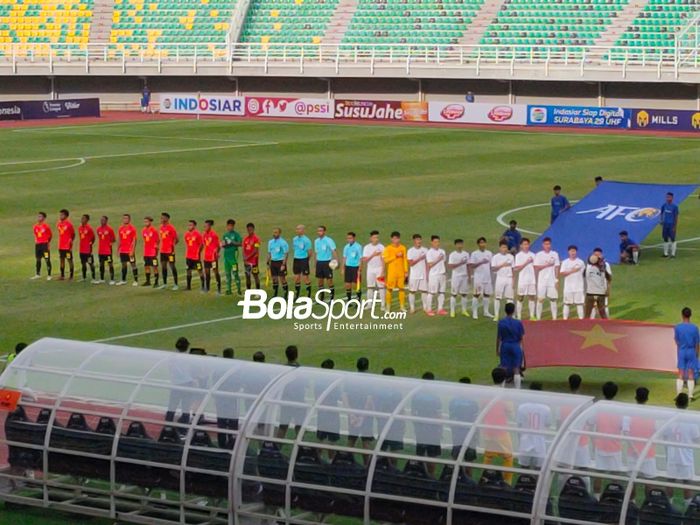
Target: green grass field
{"points": [[453, 182]]}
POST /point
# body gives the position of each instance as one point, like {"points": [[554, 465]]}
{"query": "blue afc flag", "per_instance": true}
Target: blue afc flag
{"points": [[598, 218]]}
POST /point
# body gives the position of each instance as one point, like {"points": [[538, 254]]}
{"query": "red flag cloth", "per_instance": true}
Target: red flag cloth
{"points": [[600, 343]]}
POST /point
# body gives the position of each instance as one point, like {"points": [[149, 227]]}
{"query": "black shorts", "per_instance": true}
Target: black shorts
{"points": [[193, 264], [42, 250], [278, 269], [469, 454], [126, 258], [105, 258], [65, 254], [166, 258], [211, 265], [150, 261], [392, 445], [86, 258], [301, 266], [251, 268], [351, 274], [431, 451], [322, 435], [323, 270]]}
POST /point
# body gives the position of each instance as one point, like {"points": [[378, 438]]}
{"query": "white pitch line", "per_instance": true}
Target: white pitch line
{"points": [[136, 154], [500, 219], [105, 125], [166, 329], [80, 162], [164, 137], [692, 239]]}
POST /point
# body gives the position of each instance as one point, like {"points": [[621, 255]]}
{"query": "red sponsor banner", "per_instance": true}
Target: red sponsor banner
{"points": [[601, 344], [381, 110]]}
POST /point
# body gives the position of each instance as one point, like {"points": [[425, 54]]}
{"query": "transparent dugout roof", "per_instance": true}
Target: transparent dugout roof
{"points": [[215, 440]]}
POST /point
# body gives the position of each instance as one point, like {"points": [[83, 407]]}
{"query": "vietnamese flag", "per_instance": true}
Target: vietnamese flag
{"points": [[600, 343]]}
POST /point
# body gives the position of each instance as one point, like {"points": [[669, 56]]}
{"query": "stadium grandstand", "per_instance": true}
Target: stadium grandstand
{"points": [[600, 34]]}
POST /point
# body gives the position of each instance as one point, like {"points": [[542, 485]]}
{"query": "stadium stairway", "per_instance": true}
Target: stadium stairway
{"points": [[102, 14], [337, 27], [481, 22]]}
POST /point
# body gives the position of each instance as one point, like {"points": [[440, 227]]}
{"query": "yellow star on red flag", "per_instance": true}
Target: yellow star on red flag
{"points": [[597, 336]]}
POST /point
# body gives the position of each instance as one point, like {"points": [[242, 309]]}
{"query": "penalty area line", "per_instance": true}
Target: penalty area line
{"points": [[167, 329]]}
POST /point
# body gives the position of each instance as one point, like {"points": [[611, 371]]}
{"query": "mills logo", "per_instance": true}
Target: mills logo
{"points": [[642, 119]]}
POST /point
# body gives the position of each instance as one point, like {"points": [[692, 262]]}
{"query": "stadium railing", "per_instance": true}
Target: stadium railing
{"points": [[683, 58]]}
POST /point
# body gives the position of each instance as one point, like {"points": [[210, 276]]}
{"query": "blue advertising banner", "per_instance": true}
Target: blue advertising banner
{"points": [[578, 117], [41, 109], [598, 218], [666, 120]]}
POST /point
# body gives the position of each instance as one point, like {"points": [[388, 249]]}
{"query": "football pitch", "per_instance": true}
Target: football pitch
{"points": [[452, 182]]}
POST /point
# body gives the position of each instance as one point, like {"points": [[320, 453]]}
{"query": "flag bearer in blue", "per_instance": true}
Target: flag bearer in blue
{"points": [[509, 344], [669, 224]]}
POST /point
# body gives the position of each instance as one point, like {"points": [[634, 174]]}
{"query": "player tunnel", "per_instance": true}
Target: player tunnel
{"points": [[147, 436]]}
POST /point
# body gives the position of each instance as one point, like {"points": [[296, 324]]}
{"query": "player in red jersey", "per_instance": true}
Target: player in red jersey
{"points": [[87, 239], [42, 238], [150, 251], [105, 240], [168, 240], [211, 256], [127, 249], [66, 235], [193, 253], [251, 256]]}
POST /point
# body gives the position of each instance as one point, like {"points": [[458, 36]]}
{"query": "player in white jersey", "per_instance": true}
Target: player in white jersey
{"points": [[547, 268], [680, 461], [572, 271], [532, 448], [374, 267], [480, 265], [437, 276], [458, 262], [502, 264], [527, 281], [418, 273]]}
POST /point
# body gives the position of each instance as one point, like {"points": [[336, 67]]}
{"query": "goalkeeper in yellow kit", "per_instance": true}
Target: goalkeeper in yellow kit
{"points": [[396, 261]]}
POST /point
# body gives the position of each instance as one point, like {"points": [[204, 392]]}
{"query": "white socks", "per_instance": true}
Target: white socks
{"points": [[453, 304], [553, 309], [679, 386], [412, 301], [538, 311], [565, 312], [496, 308], [464, 303], [428, 302], [579, 311], [519, 310], [674, 244], [487, 301], [518, 380], [424, 300], [441, 301], [667, 245], [475, 307], [691, 388], [635, 257], [382, 296]]}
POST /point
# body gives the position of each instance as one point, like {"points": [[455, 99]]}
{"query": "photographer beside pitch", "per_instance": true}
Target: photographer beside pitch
{"points": [[597, 285]]}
